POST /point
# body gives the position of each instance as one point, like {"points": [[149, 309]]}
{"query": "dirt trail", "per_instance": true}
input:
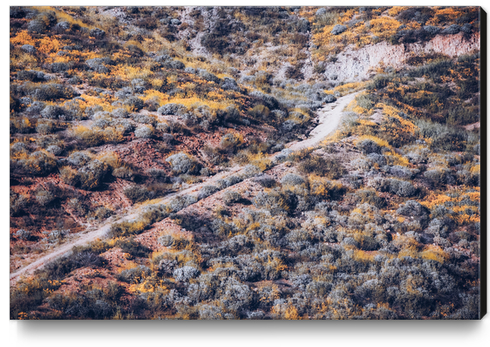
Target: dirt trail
{"points": [[102, 230], [329, 118]]}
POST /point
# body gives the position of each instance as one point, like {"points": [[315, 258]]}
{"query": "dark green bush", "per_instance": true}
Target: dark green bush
{"points": [[439, 176]]}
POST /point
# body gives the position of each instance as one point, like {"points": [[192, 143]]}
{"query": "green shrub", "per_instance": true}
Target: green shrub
{"points": [[326, 167], [276, 201], [172, 109], [183, 163], [166, 240], [37, 26], [38, 163], [51, 92], [155, 213], [442, 136], [123, 229], [265, 181], [103, 213], [123, 172], [89, 177], [56, 236], [462, 115], [44, 197], [134, 275], [379, 82], [364, 101], [207, 191], [260, 112], [230, 197], [31, 75], [434, 70], [369, 146], [439, 176], [157, 174], [294, 72], [231, 142], [96, 247], [144, 132], [23, 234], [137, 194], [29, 294], [369, 196], [133, 247], [180, 202], [78, 207], [59, 268], [394, 186], [79, 158]]}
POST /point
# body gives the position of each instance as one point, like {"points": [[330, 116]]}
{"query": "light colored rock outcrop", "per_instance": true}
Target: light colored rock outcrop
{"points": [[358, 64]]}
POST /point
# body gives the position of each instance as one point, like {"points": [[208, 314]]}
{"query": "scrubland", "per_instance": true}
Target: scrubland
{"points": [[114, 108]]}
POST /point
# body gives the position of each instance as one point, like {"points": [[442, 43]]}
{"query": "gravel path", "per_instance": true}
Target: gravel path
{"points": [[329, 118]]}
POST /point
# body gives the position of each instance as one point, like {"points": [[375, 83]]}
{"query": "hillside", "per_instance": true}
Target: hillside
{"points": [[244, 163]]}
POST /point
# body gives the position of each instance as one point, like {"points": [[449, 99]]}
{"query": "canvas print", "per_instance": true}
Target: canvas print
{"points": [[286, 163]]}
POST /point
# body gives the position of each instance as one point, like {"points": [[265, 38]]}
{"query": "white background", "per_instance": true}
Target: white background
{"points": [[198, 333]]}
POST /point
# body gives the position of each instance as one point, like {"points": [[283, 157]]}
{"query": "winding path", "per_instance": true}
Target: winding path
{"points": [[328, 120]]}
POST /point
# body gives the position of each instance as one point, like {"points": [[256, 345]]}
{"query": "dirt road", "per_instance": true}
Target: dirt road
{"points": [[328, 120]]}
